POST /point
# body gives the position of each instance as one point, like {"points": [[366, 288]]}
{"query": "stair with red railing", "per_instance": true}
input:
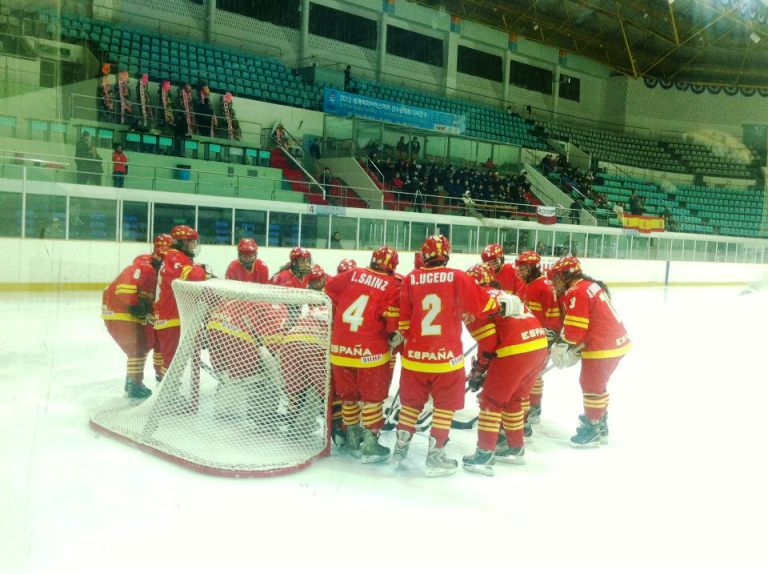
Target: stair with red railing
{"points": [[386, 190], [294, 177]]}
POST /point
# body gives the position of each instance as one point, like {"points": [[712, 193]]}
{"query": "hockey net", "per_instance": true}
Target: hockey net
{"points": [[247, 392]]}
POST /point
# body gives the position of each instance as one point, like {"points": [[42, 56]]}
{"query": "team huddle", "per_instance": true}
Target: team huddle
{"points": [[519, 318]]}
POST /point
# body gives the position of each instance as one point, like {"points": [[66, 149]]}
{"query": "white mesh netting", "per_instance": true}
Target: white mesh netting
{"points": [[247, 391]]}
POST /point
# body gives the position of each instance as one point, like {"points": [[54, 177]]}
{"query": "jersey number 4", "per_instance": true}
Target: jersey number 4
{"points": [[355, 313]]}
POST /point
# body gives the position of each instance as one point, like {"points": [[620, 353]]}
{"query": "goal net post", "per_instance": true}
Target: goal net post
{"points": [[247, 392]]}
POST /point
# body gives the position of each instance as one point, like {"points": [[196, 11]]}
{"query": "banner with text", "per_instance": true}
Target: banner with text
{"points": [[644, 223], [546, 214], [346, 104]]}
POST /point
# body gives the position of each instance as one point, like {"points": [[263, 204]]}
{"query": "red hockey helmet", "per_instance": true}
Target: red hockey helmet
{"points": [[436, 249], [566, 267], [346, 265], [247, 246], [385, 259], [184, 232], [528, 258], [162, 243], [418, 260], [493, 254], [482, 274], [299, 253], [316, 278]]}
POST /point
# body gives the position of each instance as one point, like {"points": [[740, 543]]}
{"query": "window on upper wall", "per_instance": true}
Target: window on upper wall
{"points": [[342, 26], [414, 46], [279, 12], [479, 64], [570, 88], [530, 77]]}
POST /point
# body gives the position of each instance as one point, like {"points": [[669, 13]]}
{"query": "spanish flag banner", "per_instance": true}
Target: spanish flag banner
{"points": [[644, 223]]}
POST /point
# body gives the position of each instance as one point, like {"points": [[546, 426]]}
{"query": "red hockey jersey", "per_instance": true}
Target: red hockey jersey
{"points": [[138, 280], [176, 265], [539, 296], [591, 319], [366, 307], [433, 302], [509, 280], [258, 273], [286, 278]]}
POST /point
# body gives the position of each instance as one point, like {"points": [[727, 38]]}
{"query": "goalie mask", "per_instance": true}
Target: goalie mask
{"points": [[436, 251], [247, 251], [385, 259], [346, 265], [482, 274], [301, 261], [317, 278], [527, 264], [493, 256], [185, 240]]}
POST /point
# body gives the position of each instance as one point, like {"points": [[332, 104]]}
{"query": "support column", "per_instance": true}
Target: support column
{"points": [[450, 62], [210, 22], [505, 76], [304, 35], [381, 48], [556, 89]]}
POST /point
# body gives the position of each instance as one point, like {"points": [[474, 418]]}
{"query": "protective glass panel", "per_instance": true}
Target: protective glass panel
{"points": [[92, 219], [252, 224], [314, 230], [10, 214], [283, 229], [135, 221], [45, 216]]}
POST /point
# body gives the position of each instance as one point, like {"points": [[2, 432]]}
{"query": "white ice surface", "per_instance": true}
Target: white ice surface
{"points": [[682, 487]]}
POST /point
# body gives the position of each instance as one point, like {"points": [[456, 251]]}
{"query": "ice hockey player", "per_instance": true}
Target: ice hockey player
{"points": [[506, 274], [346, 265], [592, 325], [297, 272], [539, 296], [317, 278], [162, 243], [433, 300], [366, 314], [177, 264], [512, 351], [127, 314], [247, 266]]}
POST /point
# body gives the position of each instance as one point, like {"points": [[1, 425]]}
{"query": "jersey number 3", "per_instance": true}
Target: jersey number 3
{"points": [[354, 314], [432, 305]]}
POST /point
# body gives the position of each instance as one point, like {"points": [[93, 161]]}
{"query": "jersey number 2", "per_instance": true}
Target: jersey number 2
{"points": [[353, 315], [432, 305]]}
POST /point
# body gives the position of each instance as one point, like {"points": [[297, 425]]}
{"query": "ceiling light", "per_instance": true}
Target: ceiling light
{"points": [[755, 37], [671, 2], [535, 26]]}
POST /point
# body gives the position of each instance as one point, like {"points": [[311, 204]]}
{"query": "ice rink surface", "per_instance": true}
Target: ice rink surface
{"points": [[682, 487]]}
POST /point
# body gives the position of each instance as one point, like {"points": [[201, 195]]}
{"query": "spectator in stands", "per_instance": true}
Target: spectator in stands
{"points": [[669, 221], [402, 148], [347, 77], [53, 231], [576, 208], [119, 166], [82, 157], [636, 204], [314, 149], [279, 135], [326, 180], [618, 209], [336, 240], [415, 148], [94, 167], [541, 249]]}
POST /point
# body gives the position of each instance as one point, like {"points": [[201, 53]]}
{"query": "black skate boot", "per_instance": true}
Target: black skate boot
{"points": [[338, 434], [135, 390], [371, 450], [353, 439], [534, 415], [510, 454], [481, 462], [589, 434], [527, 429]]}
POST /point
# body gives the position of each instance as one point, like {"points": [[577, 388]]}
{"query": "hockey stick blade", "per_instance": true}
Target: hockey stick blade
{"points": [[464, 425]]}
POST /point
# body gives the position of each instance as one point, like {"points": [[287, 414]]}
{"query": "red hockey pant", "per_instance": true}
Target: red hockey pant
{"points": [[594, 383], [367, 385], [169, 341], [131, 337]]}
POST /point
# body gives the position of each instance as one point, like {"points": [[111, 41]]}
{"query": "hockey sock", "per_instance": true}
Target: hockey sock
{"points": [[526, 404], [595, 405], [513, 427], [135, 368], [373, 416], [350, 413], [488, 429], [536, 392], [408, 418], [441, 426], [157, 362], [336, 409]]}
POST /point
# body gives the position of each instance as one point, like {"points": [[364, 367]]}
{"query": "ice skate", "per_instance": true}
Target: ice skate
{"points": [[135, 390], [481, 462], [338, 434], [353, 440], [534, 415], [401, 447], [437, 463], [589, 434], [527, 429], [371, 450], [510, 454]]}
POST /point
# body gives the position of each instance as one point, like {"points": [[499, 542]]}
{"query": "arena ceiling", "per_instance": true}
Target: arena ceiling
{"points": [[710, 42]]}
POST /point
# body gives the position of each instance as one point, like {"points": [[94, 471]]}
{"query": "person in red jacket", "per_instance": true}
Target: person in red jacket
{"points": [[119, 166], [127, 312], [177, 265], [539, 296], [593, 333], [247, 267], [511, 353], [297, 272], [366, 312], [506, 274]]}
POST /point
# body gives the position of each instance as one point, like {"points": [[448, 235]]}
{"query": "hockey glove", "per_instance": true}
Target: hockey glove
{"points": [[395, 340], [564, 355], [141, 310], [510, 305], [552, 337], [476, 378]]}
